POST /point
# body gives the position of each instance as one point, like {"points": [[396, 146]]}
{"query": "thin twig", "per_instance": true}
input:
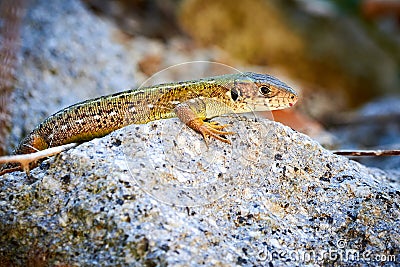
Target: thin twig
{"points": [[25, 159], [362, 153]]}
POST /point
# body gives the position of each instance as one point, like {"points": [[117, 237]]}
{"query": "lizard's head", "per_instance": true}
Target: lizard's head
{"points": [[262, 92]]}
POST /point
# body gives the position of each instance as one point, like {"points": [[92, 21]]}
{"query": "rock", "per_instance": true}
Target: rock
{"points": [[155, 194]]}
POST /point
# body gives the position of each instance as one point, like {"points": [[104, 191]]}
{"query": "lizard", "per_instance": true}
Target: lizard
{"points": [[194, 102]]}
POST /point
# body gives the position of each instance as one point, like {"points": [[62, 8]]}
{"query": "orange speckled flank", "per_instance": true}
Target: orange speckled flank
{"points": [[242, 92]]}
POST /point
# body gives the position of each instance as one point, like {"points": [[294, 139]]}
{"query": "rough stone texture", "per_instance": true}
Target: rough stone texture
{"points": [[154, 194], [274, 195]]}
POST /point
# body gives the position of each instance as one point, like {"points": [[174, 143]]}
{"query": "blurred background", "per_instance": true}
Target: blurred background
{"points": [[342, 56]]}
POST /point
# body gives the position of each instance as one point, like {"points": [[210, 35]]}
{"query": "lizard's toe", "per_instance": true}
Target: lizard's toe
{"points": [[214, 130]]}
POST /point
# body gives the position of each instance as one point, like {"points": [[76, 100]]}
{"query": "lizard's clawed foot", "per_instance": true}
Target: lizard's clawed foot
{"points": [[193, 114], [212, 129]]}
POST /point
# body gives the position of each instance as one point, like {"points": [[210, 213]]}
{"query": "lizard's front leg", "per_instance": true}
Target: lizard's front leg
{"points": [[193, 114]]}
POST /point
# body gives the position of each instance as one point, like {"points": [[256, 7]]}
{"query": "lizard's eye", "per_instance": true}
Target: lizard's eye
{"points": [[234, 94], [265, 90]]}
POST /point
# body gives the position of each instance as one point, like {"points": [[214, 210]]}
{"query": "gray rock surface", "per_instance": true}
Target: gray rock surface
{"points": [[155, 195]]}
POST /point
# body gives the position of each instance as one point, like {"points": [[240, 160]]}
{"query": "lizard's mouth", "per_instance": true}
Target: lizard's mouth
{"points": [[292, 101]]}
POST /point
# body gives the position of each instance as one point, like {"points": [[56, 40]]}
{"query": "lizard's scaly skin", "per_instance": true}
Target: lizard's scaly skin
{"points": [[192, 101]]}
